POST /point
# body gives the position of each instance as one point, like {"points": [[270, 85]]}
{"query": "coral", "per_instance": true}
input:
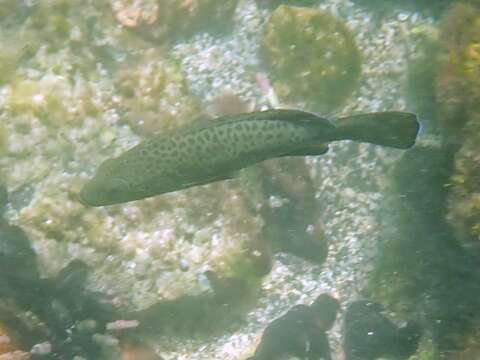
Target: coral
{"points": [[61, 20], [152, 93], [15, 355], [228, 103], [168, 19], [312, 55], [6, 343]]}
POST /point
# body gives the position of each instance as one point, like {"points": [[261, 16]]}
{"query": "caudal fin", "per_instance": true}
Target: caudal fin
{"points": [[393, 129]]}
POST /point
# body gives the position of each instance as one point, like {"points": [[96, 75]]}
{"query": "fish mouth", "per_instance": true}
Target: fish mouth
{"points": [[81, 199], [85, 197], [89, 199]]}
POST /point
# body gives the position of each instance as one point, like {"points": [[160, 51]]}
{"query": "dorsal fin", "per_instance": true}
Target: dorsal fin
{"points": [[286, 114], [203, 121]]}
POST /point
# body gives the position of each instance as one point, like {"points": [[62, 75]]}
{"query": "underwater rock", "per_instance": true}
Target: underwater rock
{"points": [[312, 56], [368, 334], [169, 19], [61, 20], [138, 350], [13, 13], [15, 252], [435, 7], [22, 327], [153, 94], [292, 217], [3, 199], [228, 103], [301, 332], [15, 355], [464, 196], [459, 69], [9, 59], [151, 241], [459, 95], [423, 271], [65, 309], [210, 312], [64, 109], [57, 303], [7, 344], [20, 286], [275, 3], [43, 99], [3, 140]]}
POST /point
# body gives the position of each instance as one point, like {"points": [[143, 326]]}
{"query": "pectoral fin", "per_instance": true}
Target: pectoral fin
{"points": [[227, 176]]}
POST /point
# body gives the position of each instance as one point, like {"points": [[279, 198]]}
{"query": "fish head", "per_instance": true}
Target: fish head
{"points": [[112, 184], [101, 192]]}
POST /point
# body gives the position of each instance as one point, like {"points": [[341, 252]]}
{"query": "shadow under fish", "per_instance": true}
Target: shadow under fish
{"points": [[209, 151], [204, 315], [293, 225]]}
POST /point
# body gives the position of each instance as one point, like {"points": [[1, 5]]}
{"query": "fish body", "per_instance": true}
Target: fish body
{"points": [[209, 151]]}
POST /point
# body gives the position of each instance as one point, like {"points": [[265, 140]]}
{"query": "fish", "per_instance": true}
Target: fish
{"points": [[207, 151]]}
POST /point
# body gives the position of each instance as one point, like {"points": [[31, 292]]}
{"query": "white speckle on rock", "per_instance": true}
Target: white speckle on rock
{"points": [[44, 348]]}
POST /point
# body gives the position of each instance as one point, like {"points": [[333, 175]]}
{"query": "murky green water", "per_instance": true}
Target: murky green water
{"points": [[201, 272]]}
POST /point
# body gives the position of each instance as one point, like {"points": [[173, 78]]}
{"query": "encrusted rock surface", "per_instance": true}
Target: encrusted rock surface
{"points": [[67, 108]]}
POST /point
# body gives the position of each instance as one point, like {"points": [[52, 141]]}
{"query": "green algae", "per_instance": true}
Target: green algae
{"points": [[3, 140], [312, 55], [9, 58], [43, 99], [422, 270], [459, 97], [457, 79], [464, 199]]}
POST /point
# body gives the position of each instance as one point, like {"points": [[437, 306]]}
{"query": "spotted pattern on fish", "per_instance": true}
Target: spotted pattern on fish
{"points": [[208, 151]]}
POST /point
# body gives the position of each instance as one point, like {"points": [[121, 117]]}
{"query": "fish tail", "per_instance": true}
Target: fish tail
{"points": [[394, 129]]}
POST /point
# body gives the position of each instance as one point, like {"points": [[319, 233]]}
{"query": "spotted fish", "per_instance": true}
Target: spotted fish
{"points": [[214, 150]]}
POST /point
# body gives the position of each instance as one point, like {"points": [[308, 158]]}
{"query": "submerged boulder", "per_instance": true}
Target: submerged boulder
{"points": [[459, 95], [312, 56]]}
